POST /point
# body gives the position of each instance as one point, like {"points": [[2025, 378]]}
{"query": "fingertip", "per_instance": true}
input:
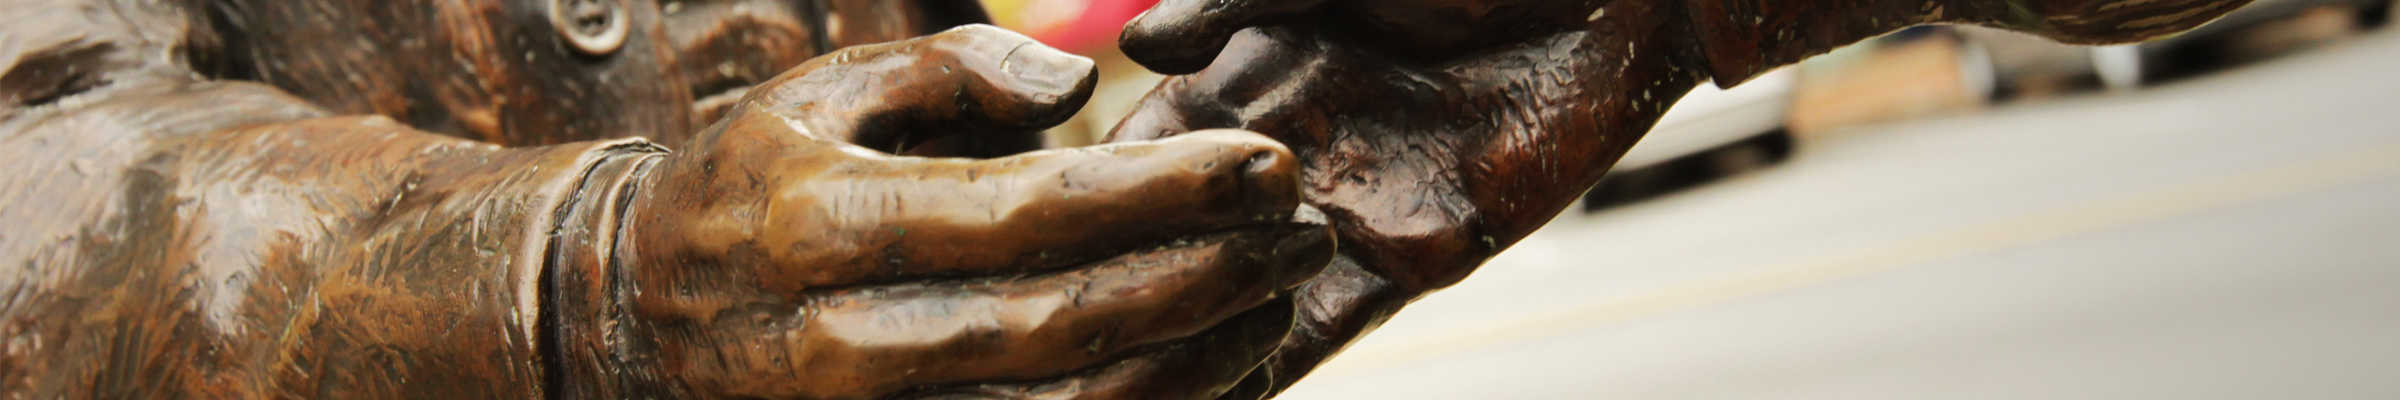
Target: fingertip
{"points": [[1303, 253], [1047, 70], [1179, 37], [1271, 165], [1030, 84], [1054, 82], [1172, 46], [1267, 169]]}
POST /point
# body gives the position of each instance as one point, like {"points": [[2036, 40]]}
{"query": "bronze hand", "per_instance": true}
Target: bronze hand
{"points": [[774, 259], [1436, 133]]}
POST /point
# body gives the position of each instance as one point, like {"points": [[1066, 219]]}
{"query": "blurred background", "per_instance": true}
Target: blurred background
{"points": [[1945, 212]]}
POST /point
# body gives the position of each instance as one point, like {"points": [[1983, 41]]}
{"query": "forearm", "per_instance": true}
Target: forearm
{"points": [[1742, 38], [437, 247], [488, 227], [314, 243]]}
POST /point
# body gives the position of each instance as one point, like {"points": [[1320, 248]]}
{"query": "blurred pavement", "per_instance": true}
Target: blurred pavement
{"points": [[2231, 236]]}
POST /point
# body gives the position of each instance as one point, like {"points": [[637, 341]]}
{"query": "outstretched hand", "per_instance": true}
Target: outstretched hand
{"points": [[1435, 133], [772, 258]]}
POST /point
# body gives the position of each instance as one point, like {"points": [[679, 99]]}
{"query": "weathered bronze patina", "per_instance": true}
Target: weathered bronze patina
{"points": [[248, 199], [1436, 133], [438, 199]]}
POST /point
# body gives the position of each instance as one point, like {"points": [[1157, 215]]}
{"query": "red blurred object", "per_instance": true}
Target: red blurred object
{"points": [[1073, 25]]}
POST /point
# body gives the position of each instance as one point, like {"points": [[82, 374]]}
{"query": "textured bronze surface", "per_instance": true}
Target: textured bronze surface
{"points": [[1436, 133], [452, 199], [446, 199]]}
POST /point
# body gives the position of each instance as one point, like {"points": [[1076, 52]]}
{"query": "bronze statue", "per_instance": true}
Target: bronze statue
{"points": [[254, 198], [239, 199]]}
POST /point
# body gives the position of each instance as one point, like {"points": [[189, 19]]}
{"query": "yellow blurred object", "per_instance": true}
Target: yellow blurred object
{"points": [[1005, 12]]}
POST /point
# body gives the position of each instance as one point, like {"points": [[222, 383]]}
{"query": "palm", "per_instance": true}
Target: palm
{"points": [[1437, 132], [1427, 168]]}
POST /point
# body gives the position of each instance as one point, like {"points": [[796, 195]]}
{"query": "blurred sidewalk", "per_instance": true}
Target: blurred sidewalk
{"points": [[2232, 236]]}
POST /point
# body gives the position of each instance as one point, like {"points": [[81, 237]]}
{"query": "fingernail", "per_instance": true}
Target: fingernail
{"points": [[1046, 70], [1304, 253]]}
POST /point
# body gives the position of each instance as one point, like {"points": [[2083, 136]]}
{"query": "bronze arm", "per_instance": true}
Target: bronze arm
{"points": [[179, 231]]}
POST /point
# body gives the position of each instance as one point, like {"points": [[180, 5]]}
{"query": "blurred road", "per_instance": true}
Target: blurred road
{"points": [[2234, 236]]}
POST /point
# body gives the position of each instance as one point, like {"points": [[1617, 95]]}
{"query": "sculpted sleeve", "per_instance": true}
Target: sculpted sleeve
{"points": [[170, 236]]}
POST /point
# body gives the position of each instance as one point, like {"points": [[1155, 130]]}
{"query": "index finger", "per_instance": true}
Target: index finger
{"points": [[1183, 36]]}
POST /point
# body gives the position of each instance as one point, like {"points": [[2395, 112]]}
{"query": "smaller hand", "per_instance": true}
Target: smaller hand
{"points": [[1434, 133], [774, 259]]}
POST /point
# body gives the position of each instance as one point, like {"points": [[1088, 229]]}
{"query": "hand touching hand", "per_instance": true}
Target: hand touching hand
{"points": [[772, 258], [1436, 133]]}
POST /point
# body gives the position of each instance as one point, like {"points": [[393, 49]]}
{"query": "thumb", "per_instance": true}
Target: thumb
{"points": [[975, 79]]}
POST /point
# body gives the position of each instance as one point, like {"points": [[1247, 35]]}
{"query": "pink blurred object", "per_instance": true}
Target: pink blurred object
{"points": [[1073, 25]]}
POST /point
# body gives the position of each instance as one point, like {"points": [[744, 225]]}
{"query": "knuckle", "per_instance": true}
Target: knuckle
{"points": [[975, 39]]}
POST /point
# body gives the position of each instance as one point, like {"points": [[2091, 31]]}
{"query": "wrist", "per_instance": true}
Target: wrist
{"points": [[583, 325]]}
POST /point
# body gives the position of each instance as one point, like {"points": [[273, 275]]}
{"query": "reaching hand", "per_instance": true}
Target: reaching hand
{"points": [[1435, 133], [773, 259]]}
